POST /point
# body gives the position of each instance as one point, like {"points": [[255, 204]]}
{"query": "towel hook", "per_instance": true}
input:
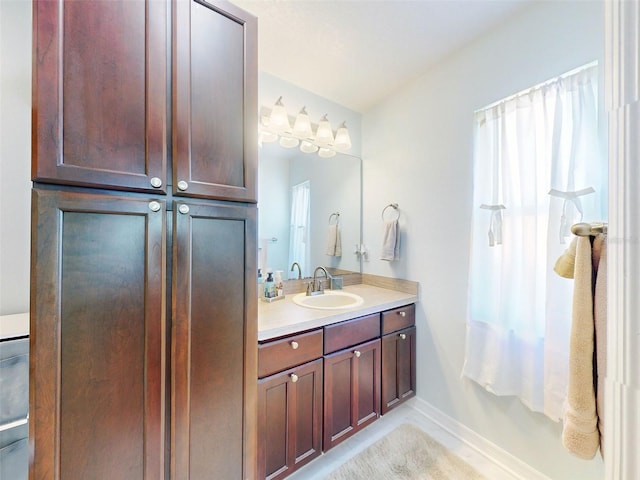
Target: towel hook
{"points": [[334, 214], [395, 207]]}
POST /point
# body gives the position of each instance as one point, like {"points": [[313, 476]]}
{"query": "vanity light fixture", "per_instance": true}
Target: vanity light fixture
{"points": [[302, 126], [279, 120], [275, 125], [324, 135], [343, 140]]}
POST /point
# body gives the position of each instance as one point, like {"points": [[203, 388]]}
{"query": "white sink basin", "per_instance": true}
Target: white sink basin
{"points": [[329, 300]]}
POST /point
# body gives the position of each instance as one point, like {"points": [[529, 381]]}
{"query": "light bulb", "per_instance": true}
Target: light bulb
{"points": [[308, 147], [343, 140], [326, 152], [267, 137], [288, 142], [302, 126], [324, 134]]}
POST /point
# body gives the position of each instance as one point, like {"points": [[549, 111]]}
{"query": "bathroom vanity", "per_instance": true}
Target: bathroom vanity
{"points": [[325, 374]]}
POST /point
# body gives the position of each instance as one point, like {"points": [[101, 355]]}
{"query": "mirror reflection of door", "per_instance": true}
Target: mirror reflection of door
{"points": [[299, 244]]}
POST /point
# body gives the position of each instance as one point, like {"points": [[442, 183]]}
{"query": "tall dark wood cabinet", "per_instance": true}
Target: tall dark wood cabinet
{"points": [[143, 303]]}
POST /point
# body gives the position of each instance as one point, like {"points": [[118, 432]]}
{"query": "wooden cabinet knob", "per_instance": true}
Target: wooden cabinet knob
{"points": [[294, 377], [403, 336], [357, 353], [294, 345], [402, 313]]}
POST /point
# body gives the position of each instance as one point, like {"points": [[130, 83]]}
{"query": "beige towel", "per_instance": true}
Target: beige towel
{"points": [[580, 434], [599, 259], [334, 242], [565, 265], [390, 241]]}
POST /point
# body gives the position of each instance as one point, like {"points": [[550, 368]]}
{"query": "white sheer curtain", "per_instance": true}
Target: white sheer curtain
{"points": [[537, 170], [299, 245]]}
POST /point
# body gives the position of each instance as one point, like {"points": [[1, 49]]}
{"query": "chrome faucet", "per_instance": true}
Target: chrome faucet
{"points": [[316, 287], [296, 264]]}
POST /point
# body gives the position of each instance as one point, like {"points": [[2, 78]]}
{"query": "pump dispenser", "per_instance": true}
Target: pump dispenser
{"points": [[269, 286]]}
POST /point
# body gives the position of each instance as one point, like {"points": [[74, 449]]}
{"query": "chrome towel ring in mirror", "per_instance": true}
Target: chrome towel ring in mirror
{"points": [[395, 207]]}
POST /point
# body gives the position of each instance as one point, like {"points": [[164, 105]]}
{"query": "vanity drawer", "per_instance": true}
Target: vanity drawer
{"points": [[345, 334], [288, 352], [398, 318]]}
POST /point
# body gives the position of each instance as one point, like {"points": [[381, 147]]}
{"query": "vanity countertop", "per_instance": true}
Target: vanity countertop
{"points": [[284, 317]]}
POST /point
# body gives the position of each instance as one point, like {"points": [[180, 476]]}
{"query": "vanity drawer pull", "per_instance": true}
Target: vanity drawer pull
{"points": [[294, 345], [294, 377], [402, 313], [357, 353], [403, 336]]}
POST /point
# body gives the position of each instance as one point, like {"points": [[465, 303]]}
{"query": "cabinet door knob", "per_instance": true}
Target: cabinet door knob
{"points": [[184, 209], [182, 185], [402, 313], [357, 353], [156, 182], [294, 377], [294, 345], [154, 206], [403, 336]]}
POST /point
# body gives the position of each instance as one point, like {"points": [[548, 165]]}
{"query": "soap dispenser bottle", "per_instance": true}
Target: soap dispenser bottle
{"points": [[279, 285], [269, 286]]}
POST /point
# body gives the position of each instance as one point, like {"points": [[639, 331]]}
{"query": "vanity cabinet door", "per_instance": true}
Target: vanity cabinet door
{"points": [[97, 344], [100, 93], [214, 336], [398, 368], [214, 98], [289, 420], [351, 391]]}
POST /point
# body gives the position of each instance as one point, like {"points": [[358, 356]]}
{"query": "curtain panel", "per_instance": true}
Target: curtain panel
{"points": [[538, 168]]}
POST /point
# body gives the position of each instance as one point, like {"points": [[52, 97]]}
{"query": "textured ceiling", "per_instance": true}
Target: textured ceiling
{"points": [[356, 52]]}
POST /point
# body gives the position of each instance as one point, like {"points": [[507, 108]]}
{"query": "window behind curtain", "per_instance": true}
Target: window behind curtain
{"points": [[538, 169]]}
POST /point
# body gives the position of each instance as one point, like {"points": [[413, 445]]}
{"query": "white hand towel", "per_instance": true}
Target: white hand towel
{"points": [[334, 243], [390, 241]]}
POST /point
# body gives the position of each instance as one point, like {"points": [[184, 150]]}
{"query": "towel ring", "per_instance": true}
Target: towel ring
{"points": [[395, 207], [335, 214]]}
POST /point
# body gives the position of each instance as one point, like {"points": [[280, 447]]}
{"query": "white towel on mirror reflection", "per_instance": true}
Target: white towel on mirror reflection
{"points": [[390, 241], [334, 244]]}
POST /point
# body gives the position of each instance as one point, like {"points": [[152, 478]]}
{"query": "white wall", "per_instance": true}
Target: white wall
{"points": [[417, 151], [15, 154]]}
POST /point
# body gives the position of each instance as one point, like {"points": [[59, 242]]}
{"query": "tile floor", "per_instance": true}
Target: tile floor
{"points": [[320, 467]]}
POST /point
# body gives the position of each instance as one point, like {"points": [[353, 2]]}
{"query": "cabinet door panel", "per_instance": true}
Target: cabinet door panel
{"points": [[100, 93], [215, 101], [98, 351], [352, 391], [290, 420], [214, 355], [398, 368]]}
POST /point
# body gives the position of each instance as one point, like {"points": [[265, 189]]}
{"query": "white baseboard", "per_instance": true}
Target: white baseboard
{"points": [[483, 446]]}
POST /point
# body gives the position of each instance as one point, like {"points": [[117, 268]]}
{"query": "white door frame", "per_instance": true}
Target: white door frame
{"points": [[622, 390]]}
